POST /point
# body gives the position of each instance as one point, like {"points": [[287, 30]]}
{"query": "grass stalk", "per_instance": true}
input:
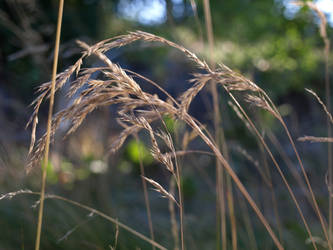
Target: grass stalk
{"points": [[232, 213], [326, 51], [289, 164], [235, 178], [323, 34], [197, 20], [121, 92], [271, 188], [49, 122], [178, 172], [173, 220], [220, 190], [329, 145], [90, 209], [277, 167], [247, 222], [307, 181], [329, 129], [145, 193], [181, 204]]}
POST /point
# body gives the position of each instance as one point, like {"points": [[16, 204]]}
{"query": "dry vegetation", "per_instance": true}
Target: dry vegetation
{"points": [[138, 110], [143, 112]]}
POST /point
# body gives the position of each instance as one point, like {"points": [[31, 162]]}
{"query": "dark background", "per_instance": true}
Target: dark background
{"points": [[275, 44]]}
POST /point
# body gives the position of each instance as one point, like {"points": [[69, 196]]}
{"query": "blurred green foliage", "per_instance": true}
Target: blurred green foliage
{"points": [[282, 52], [170, 124], [137, 151], [188, 187], [52, 176]]}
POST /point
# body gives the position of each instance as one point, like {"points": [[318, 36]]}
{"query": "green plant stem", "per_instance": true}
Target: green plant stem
{"points": [[49, 122]]}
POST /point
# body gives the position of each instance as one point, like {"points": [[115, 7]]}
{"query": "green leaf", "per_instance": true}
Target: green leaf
{"points": [[135, 150]]}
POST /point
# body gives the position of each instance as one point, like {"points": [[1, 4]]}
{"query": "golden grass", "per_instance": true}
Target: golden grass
{"points": [[139, 112], [137, 109], [48, 131]]}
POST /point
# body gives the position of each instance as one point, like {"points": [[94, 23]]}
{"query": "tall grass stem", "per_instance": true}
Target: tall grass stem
{"points": [[277, 167], [49, 122], [145, 192], [220, 190]]}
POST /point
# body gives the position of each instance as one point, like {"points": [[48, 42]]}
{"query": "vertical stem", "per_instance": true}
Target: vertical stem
{"points": [[235, 178], [232, 213], [178, 178], [169, 7], [49, 121], [247, 222], [220, 206], [261, 139], [181, 205], [209, 26], [307, 181], [271, 187], [289, 164], [174, 226], [329, 145], [145, 193], [194, 8]]}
